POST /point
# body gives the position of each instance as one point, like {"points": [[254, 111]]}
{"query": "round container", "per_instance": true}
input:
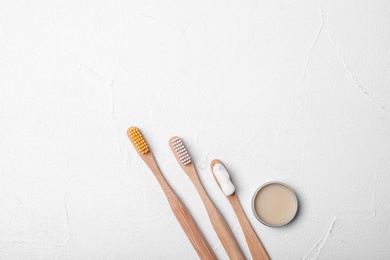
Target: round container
{"points": [[274, 204]]}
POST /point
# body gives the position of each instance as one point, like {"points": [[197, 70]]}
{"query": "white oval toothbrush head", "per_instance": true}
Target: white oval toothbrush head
{"points": [[181, 151], [223, 178]]}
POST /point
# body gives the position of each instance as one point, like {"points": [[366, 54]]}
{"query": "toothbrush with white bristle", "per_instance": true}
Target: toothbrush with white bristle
{"points": [[221, 227], [222, 177]]}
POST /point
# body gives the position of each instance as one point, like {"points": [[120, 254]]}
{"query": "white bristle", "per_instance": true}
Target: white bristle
{"points": [[181, 151]]}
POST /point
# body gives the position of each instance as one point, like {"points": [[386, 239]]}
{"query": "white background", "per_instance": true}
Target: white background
{"points": [[294, 91]]}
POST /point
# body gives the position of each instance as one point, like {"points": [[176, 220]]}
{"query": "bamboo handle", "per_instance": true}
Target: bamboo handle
{"points": [[222, 229], [224, 233], [181, 213], [190, 227], [254, 243]]}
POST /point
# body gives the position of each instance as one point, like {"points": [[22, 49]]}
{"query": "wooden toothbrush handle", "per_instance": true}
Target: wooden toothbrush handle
{"points": [[255, 246], [224, 233], [181, 212], [222, 229], [190, 227]]}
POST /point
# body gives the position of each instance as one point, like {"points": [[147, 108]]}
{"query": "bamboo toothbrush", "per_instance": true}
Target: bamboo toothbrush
{"points": [[221, 227], [221, 175], [182, 214]]}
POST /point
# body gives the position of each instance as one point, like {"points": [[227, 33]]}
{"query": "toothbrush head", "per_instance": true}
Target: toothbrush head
{"points": [[180, 150], [137, 139]]}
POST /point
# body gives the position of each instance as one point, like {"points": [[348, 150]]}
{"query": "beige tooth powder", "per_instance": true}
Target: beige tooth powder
{"points": [[274, 204]]}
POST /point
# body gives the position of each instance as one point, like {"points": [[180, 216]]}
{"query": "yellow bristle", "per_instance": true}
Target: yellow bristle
{"points": [[138, 140]]}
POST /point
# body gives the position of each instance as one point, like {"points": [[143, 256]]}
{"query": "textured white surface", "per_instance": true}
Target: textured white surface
{"points": [[294, 91]]}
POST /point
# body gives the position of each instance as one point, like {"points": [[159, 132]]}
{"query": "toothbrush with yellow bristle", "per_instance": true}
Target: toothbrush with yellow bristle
{"points": [[182, 214], [221, 227], [222, 178]]}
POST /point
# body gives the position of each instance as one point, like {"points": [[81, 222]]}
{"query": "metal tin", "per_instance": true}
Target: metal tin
{"points": [[264, 185]]}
